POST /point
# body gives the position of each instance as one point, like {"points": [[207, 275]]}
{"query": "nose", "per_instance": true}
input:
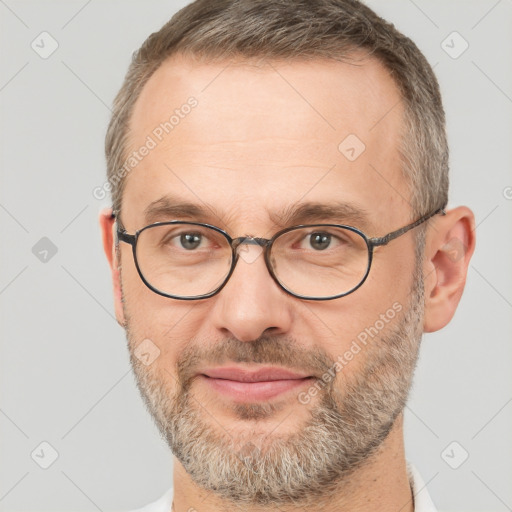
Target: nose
{"points": [[251, 303]]}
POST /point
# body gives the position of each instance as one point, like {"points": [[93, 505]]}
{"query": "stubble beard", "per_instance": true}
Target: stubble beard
{"points": [[348, 423]]}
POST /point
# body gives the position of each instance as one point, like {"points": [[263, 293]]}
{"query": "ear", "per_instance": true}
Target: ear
{"points": [[449, 245], [107, 226]]}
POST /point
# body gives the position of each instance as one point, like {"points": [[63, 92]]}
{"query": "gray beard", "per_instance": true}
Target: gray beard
{"points": [[347, 422]]}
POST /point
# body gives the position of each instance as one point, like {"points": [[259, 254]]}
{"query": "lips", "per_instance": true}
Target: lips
{"points": [[268, 373], [256, 385]]}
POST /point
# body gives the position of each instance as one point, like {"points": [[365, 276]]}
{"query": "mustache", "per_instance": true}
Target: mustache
{"points": [[266, 350]]}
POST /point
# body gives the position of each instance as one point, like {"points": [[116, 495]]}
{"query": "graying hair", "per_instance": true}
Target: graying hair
{"points": [[299, 29]]}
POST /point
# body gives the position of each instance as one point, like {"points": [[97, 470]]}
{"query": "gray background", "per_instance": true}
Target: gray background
{"points": [[65, 376]]}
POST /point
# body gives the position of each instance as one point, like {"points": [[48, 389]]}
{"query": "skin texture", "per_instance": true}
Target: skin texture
{"points": [[264, 137]]}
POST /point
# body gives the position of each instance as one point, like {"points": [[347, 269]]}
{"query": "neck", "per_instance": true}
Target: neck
{"points": [[380, 484]]}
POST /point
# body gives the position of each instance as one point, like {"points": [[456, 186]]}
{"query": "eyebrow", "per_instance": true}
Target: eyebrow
{"points": [[171, 208], [168, 207], [335, 213]]}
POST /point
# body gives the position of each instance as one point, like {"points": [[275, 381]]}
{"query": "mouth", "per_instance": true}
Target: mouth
{"points": [[262, 384]]}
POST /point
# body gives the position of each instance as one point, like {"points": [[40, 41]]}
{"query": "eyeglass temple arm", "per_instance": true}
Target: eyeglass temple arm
{"points": [[121, 234], [399, 232]]}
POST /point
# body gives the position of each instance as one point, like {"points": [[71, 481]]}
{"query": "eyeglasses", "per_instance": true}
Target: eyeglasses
{"points": [[192, 260]]}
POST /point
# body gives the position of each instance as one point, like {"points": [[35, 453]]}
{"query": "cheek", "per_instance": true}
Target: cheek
{"points": [[168, 324], [392, 271], [352, 325]]}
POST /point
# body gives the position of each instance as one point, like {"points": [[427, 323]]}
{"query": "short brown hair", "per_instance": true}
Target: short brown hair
{"points": [[298, 29]]}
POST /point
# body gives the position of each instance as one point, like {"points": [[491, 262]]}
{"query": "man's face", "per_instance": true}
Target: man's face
{"points": [[263, 140]]}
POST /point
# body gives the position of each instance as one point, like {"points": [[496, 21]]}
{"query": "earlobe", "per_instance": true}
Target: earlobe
{"points": [[449, 246], [107, 226]]}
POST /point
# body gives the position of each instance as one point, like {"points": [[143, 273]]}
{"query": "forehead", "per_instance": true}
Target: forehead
{"points": [[250, 137]]}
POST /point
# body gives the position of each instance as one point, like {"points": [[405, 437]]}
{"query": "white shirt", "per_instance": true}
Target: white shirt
{"points": [[422, 501]]}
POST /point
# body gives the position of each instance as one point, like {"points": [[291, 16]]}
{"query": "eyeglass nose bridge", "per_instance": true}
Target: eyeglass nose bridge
{"points": [[249, 240]]}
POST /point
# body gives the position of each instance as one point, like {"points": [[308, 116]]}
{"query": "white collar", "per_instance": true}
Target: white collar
{"points": [[422, 500]]}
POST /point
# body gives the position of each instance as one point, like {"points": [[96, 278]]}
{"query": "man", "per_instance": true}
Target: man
{"points": [[279, 241]]}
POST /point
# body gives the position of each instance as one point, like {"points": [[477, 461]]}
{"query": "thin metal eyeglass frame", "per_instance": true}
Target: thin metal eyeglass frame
{"points": [[266, 244]]}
